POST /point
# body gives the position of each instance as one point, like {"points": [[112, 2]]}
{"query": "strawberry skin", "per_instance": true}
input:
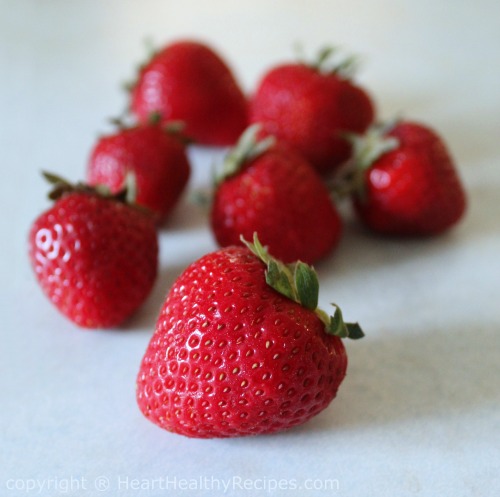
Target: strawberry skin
{"points": [[310, 110], [232, 357], [156, 158], [279, 196], [95, 258], [414, 189], [188, 81]]}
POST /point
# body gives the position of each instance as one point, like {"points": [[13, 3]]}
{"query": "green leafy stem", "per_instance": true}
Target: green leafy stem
{"points": [[299, 282]]}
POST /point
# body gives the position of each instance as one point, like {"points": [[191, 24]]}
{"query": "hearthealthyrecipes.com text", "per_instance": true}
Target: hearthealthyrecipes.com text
{"points": [[166, 483]]}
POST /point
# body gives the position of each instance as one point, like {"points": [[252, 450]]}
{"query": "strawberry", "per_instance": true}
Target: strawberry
{"points": [[267, 188], [404, 182], [240, 348], [157, 158], [310, 106], [188, 81], [95, 257]]}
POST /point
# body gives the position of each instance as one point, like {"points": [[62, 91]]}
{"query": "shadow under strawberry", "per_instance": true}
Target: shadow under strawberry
{"points": [[187, 216], [440, 373], [480, 221], [145, 318], [362, 251]]}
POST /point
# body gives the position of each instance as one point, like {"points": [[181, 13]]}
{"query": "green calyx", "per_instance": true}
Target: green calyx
{"points": [[61, 186], [329, 60], [373, 144], [366, 149], [174, 128], [151, 51], [171, 127], [248, 147], [299, 282]]}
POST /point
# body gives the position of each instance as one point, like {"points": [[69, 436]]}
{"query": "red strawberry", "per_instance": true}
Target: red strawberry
{"points": [[310, 106], [232, 357], [95, 257], [271, 190], [404, 181], [188, 81], [156, 157]]}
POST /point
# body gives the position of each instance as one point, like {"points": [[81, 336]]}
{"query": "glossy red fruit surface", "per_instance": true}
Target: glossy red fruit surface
{"points": [[310, 111], [414, 189], [279, 196], [232, 357], [156, 158], [95, 258], [188, 81]]}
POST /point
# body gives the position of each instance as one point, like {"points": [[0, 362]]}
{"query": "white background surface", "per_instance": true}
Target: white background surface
{"points": [[418, 413]]}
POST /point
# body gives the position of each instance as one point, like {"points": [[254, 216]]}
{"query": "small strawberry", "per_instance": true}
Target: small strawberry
{"points": [[269, 189], [310, 106], [404, 182], [188, 81], [240, 348], [95, 257], [154, 154]]}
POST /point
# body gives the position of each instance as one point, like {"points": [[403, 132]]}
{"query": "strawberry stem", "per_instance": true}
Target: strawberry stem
{"points": [[248, 147], [329, 60], [373, 144], [367, 148], [151, 51], [299, 282], [61, 186], [154, 118]]}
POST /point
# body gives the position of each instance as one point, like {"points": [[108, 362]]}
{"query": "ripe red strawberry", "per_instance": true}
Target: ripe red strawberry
{"points": [[188, 81], [310, 106], [269, 189], [404, 181], [94, 257], [156, 157], [232, 357]]}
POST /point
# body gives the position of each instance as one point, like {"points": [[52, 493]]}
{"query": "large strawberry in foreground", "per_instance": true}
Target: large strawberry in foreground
{"points": [[404, 182], [187, 81], [95, 257], [240, 348], [311, 106], [154, 154], [267, 188]]}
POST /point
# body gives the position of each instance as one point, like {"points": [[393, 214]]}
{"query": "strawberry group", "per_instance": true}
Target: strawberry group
{"points": [[94, 256], [189, 82], [240, 348], [156, 157], [310, 107], [267, 188]]}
